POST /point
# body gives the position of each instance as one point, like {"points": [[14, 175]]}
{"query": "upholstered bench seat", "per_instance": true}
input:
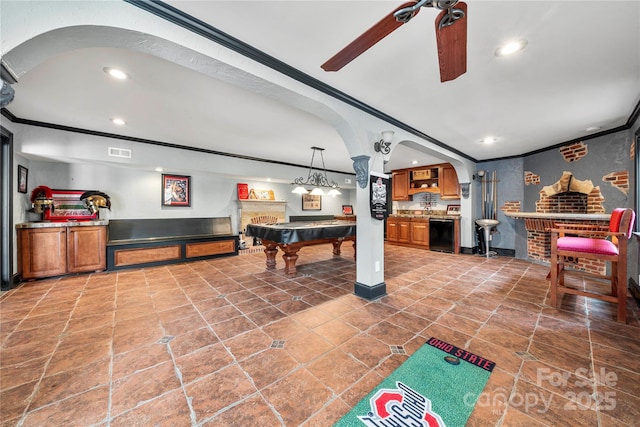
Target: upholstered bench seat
{"points": [[592, 246]]}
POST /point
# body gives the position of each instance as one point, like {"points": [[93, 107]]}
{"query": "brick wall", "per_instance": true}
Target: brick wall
{"points": [[539, 241], [539, 244], [619, 180], [574, 152], [595, 202], [511, 206], [531, 178], [571, 202], [568, 202]]}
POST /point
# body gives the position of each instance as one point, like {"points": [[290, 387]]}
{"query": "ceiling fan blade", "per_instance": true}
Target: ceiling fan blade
{"points": [[367, 39], [452, 45]]}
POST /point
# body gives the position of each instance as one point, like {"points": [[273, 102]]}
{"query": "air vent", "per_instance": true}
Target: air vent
{"points": [[125, 153]]}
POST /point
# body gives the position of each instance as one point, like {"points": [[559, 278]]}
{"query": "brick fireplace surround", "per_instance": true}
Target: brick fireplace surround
{"points": [[557, 204]]}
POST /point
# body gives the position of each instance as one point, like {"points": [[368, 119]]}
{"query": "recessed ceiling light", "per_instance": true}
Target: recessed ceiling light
{"points": [[115, 73], [118, 121], [488, 140], [414, 162], [511, 48], [159, 169], [593, 128]]}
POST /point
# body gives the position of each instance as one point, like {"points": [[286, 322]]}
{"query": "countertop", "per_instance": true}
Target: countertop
{"points": [[425, 216], [537, 215], [52, 224]]}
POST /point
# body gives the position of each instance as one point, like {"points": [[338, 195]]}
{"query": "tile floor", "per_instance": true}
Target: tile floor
{"points": [[225, 343]]}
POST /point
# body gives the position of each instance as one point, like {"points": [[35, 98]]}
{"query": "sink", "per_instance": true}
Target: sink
{"points": [[487, 222]]}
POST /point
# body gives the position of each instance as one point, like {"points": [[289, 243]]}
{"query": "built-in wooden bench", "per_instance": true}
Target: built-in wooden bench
{"points": [[151, 242]]}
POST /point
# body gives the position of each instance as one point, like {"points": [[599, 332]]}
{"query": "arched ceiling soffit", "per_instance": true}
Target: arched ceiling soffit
{"points": [[37, 50], [415, 150]]}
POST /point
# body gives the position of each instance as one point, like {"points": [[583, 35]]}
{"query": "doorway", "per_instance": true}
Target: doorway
{"points": [[6, 209]]}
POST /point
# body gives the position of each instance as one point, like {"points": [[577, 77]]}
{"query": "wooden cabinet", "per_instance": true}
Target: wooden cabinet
{"points": [[392, 229], [409, 231], [420, 232], [449, 187], [55, 251], [86, 249], [440, 179], [42, 252], [404, 231], [400, 185], [414, 232]]}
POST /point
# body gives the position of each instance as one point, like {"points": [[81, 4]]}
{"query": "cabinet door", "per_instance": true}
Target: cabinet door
{"points": [[42, 252], [87, 249], [392, 230], [400, 185], [420, 232], [404, 231], [449, 188]]}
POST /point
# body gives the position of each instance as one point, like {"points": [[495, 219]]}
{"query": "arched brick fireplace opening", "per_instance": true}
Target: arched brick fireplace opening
{"points": [[567, 195], [570, 195]]}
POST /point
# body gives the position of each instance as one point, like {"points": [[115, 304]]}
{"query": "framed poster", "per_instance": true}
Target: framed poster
{"points": [[243, 191], [311, 202], [378, 200], [176, 190], [23, 175]]}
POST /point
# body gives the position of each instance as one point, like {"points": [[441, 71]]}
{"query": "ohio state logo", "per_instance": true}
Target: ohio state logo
{"points": [[400, 407]]}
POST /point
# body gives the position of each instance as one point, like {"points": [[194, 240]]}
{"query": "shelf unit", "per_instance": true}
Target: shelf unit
{"points": [[440, 179], [424, 180]]}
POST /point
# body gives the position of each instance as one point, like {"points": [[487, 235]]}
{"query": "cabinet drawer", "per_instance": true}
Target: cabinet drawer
{"points": [[210, 248], [144, 255]]}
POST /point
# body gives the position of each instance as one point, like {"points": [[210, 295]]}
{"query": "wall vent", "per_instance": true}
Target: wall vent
{"points": [[120, 152]]}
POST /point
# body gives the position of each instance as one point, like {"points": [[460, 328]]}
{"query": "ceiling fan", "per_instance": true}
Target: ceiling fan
{"points": [[451, 36]]}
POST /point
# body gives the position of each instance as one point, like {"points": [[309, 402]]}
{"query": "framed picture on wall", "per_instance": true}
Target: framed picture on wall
{"points": [[311, 202], [347, 210], [23, 175], [176, 190], [453, 209]]}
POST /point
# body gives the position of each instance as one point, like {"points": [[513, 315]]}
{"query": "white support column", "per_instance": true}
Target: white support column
{"points": [[370, 239]]}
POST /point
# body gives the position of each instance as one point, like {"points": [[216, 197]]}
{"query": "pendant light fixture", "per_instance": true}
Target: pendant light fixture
{"points": [[316, 179]]}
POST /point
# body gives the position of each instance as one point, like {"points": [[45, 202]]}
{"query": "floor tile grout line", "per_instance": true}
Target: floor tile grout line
{"points": [[450, 308], [176, 367], [36, 389], [44, 295], [112, 352], [235, 362]]}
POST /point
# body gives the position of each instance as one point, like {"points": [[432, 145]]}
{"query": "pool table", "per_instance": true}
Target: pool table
{"points": [[290, 237]]}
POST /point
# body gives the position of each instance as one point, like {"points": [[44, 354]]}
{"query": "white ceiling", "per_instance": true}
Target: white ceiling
{"points": [[581, 68]]}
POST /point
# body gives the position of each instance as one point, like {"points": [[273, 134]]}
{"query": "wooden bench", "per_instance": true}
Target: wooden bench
{"points": [[151, 242]]}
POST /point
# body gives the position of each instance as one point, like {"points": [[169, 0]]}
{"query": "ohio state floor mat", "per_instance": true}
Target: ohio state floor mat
{"points": [[437, 386]]}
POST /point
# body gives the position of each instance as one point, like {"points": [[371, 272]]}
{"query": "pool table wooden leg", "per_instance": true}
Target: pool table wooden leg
{"points": [[290, 256], [270, 250], [336, 246]]}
